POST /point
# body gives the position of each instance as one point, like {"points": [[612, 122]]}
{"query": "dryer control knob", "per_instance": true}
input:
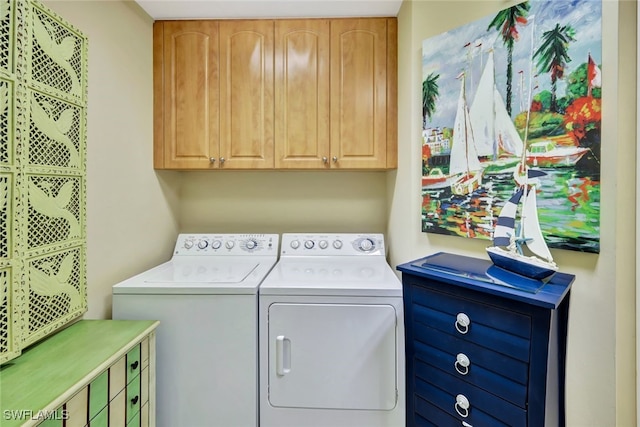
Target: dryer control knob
{"points": [[323, 244], [230, 244], [188, 244], [309, 244], [295, 244], [366, 245], [337, 244], [202, 244], [251, 244], [216, 244]]}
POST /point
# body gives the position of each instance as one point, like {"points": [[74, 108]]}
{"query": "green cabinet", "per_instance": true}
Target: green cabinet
{"points": [[80, 377], [43, 105]]}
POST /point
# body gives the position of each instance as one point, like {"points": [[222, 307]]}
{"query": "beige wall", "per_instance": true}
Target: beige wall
{"points": [[601, 342], [131, 211], [135, 213]]}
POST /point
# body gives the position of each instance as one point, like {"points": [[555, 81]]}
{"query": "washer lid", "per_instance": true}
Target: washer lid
{"points": [[326, 276], [200, 275]]}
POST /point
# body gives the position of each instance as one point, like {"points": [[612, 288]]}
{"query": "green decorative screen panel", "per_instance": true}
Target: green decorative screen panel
{"points": [[5, 286], [54, 214], [56, 291], [6, 197], [6, 120], [55, 132], [6, 34], [57, 55], [43, 116]]}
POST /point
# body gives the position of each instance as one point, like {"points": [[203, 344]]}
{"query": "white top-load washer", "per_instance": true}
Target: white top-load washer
{"points": [[331, 335], [207, 342]]}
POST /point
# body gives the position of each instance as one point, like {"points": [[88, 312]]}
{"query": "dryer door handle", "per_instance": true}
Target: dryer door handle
{"points": [[283, 355]]}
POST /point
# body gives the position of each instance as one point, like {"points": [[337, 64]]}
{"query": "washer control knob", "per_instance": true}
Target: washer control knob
{"points": [[216, 244], [309, 244], [323, 244], [230, 244], [295, 244], [188, 244], [251, 244], [366, 245], [202, 244], [337, 244]]}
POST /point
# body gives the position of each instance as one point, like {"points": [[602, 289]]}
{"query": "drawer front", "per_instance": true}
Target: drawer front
{"points": [[133, 363], [464, 401], [133, 398], [98, 394], [100, 420], [508, 367], [455, 365], [474, 323], [134, 421]]}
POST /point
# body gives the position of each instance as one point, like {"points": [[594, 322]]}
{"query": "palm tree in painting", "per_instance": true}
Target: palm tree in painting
{"points": [[430, 93], [506, 22], [553, 56]]}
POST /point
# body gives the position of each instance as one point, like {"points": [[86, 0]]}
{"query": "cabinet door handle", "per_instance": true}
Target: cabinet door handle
{"points": [[134, 365], [212, 160], [283, 355], [462, 323], [325, 160], [135, 400], [334, 159], [462, 364], [462, 405]]}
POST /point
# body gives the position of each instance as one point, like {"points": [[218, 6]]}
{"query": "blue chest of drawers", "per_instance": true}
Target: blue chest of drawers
{"points": [[484, 347]]}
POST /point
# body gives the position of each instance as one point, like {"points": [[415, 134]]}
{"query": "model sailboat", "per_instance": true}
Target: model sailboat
{"points": [[514, 234]]}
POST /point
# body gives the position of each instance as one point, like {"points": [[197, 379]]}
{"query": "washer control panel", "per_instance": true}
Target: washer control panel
{"points": [[226, 244], [345, 244]]}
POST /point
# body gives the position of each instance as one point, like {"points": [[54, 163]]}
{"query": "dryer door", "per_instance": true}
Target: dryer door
{"points": [[332, 356]]}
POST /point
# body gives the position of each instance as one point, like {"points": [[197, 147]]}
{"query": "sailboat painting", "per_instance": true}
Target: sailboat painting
{"points": [[511, 115]]}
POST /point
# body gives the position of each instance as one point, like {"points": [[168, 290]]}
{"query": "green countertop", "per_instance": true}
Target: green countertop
{"points": [[43, 375]]}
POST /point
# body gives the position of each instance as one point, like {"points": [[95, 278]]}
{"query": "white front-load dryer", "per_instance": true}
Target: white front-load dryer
{"points": [[206, 299], [331, 335]]}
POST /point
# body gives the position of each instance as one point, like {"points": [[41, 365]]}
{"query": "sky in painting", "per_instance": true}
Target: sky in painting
{"points": [[447, 56]]}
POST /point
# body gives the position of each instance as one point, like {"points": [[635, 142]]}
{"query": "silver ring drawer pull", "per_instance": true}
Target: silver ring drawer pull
{"points": [[462, 364], [462, 323], [462, 405]]}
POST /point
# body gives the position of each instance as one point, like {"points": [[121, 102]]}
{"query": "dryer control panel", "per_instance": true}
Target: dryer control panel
{"points": [[226, 244], [344, 244]]}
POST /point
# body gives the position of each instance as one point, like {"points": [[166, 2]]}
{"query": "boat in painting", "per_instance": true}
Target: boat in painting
{"points": [[465, 164], [512, 235], [498, 143], [547, 154], [436, 179]]}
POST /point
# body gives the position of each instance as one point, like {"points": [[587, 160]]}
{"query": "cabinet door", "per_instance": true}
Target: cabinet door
{"points": [[302, 94], [359, 93], [186, 122], [246, 94]]}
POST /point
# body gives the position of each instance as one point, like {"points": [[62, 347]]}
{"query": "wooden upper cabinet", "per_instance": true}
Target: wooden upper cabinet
{"points": [[186, 85], [302, 94], [283, 94], [363, 93], [246, 94]]}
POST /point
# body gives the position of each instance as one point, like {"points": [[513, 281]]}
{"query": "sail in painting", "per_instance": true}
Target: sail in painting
{"points": [[495, 134], [464, 162]]}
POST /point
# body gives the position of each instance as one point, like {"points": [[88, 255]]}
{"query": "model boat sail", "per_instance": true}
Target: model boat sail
{"points": [[511, 236], [464, 162]]}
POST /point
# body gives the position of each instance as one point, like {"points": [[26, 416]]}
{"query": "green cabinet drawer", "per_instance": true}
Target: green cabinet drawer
{"points": [[133, 363], [52, 419], [134, 421], [98, 394], [133, 398], [100, 420]]}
